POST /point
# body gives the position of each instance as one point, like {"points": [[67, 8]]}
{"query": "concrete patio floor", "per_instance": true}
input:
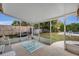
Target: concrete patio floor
{"points": [[55, 49]]}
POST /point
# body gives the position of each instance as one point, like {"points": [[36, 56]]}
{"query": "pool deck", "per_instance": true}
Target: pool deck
{"points": [[55, 49]]}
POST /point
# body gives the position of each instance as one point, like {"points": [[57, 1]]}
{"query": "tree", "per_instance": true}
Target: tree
{"points": [[23, 23], [45, 25], [17, 23], [53, 27], [62, 27], [35, 26], [73, 27]]}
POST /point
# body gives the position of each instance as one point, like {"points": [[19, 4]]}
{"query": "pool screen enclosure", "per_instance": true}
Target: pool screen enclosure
{"points": [[45, 23]]}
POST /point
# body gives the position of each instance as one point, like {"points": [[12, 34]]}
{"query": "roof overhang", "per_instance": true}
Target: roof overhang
{"points": [[38, 12]]}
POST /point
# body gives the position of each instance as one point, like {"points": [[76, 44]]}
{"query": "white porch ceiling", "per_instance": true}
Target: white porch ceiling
{"points": [[38, 12]]}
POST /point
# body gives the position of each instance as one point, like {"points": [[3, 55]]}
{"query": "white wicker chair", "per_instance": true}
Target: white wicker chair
{"points": [[2, 47], [6, 50], [10, 53]]}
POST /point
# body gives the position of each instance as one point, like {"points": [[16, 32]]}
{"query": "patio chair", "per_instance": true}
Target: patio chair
{"points": [[10, 53], [2, 47], [4, 41], [6, 50]]}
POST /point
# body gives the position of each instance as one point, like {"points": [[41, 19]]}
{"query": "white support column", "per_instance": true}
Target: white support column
{"points": [[65, 32], [32, 30], [50, 32], [39, 31], [65, 28], [20, 30]]}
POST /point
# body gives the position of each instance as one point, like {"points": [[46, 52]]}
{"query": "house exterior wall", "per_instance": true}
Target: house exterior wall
{"points": [[10, 30]]}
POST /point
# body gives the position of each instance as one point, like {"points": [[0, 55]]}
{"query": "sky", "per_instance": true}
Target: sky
{"points": [[69, 20], [7, 20]]}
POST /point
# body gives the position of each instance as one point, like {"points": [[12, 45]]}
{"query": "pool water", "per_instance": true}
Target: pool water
{"points": [[32, 45]]}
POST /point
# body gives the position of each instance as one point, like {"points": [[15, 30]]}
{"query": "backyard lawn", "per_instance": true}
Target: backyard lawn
{"points": [[55, 36], [73, 38]]}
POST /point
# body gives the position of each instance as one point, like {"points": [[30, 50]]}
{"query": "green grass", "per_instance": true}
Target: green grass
{"points": [[73, 38], [55, 36]]}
